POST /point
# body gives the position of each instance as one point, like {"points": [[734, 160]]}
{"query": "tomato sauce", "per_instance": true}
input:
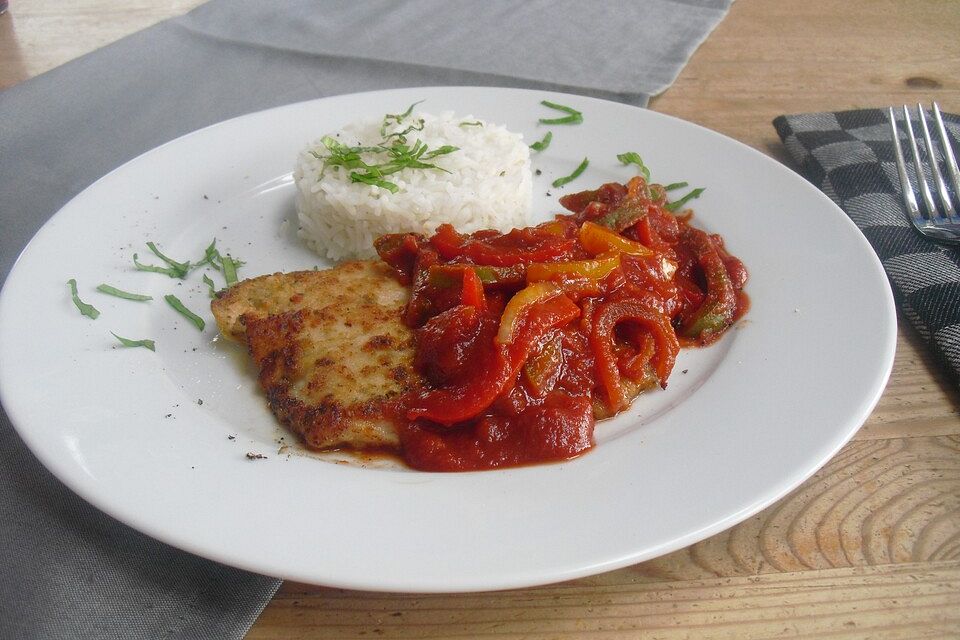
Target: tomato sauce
{"points": [[526, 338]]}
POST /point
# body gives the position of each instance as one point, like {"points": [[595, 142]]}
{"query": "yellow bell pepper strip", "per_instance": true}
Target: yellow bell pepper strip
{"points": [[554, 227], [716, 313], [521, 303], [602, 337], [593, 269], [543, 369], [597, 239]]}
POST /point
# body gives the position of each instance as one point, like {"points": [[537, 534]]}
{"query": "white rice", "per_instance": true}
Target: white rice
{"points": [[489, 186]]}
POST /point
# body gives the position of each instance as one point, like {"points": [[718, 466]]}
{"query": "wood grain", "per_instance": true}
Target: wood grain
{"points": [[852, 603], [869, 547]]}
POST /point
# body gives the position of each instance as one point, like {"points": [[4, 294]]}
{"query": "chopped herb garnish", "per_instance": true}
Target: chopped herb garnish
{"points": [[542, 144], [229, 269], [673, 206], [559, 182], [397, 118], [575, 116], [397, 155], [146, 344], [174, 269], [86, 309], [153, 268], [675, 185], [126, 295], [632, 157], [476, 123], [211, 285], [174, 302], [180, 268], [210, 255]]}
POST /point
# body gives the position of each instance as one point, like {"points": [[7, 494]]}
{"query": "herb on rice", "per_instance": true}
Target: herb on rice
{"points": [[392, 154]]}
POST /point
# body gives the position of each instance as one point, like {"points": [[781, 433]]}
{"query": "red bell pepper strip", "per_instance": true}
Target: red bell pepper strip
{"points": [[605, 320], [716, 313], [609, 194], [519, 246], [496, 367], [472, 293], [399, 250]]}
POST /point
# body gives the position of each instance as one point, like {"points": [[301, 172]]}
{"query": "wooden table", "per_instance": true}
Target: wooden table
{"points": [[868, 547]]}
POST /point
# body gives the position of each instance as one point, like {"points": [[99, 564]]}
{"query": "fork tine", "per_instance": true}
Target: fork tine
{"points": [[949, 158], [938, 183], [909, 200], [918, 166]]}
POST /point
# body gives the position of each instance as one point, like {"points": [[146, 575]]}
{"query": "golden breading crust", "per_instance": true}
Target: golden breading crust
{"points": [[331, 348], [274, 294]]}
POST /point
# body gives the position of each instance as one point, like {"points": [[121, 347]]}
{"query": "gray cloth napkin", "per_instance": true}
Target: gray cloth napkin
{"points": [[69, 571], [850, 156]]}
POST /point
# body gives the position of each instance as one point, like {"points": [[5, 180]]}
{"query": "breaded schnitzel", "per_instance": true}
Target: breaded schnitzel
{"points": [[331, 348]]}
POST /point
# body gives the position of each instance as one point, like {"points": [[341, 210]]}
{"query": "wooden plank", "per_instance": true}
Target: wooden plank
{"points": [[38, 35], [920, 400], [894, 601], [876, 502]]}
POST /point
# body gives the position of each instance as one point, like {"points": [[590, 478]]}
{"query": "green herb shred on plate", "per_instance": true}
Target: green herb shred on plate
{"points": [[392, 154], [675, 185], [120, 293], [225, 264], [174, 302], [674, 206], [541, 145], [145, 343], [559, 182], [210, 285], [174, 269], [86, 309], [632, 157], [573, 117]]}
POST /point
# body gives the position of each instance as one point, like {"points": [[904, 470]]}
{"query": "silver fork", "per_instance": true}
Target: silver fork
{"points": [[940, 223]]}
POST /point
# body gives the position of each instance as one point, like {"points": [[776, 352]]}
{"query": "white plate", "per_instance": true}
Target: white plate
{"points": [[741, 424]]}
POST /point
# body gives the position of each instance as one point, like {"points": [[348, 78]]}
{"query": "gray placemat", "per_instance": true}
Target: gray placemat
{"points": [[69, 570]]}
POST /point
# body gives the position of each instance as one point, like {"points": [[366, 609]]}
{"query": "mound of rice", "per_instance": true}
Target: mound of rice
{"points": [[488, 186]]}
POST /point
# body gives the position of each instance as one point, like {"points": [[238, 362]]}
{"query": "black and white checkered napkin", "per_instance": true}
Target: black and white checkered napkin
{"points": [[849, 155]]}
